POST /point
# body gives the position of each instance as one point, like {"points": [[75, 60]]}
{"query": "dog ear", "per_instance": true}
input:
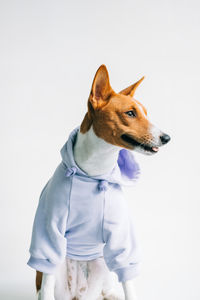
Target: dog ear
{"points": [[101, 89], [130, 91]]}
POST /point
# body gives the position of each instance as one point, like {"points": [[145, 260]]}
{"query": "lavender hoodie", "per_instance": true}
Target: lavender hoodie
{"points": [[84, 217]]}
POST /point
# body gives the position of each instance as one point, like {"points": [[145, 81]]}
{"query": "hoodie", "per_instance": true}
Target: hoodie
{"points": [[84, 217]]}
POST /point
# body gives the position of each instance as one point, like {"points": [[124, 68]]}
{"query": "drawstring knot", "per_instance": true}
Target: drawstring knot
{"points": [[103, 185], [70, 171]]}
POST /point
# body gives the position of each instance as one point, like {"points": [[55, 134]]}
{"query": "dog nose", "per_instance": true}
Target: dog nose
{"points": [[165, 138]]}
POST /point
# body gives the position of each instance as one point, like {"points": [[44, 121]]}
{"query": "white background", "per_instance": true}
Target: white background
{"points": [[49, 53]]}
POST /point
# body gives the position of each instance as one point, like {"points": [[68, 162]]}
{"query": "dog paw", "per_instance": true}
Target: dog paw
{"points": [[46, 296], [111, 295], [39, 295]]}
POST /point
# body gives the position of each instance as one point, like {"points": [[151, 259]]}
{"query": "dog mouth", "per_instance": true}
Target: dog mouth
{"points": [[131, 141]]}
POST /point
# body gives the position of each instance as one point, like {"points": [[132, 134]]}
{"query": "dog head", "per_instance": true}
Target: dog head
{"points": [[119, 118]]}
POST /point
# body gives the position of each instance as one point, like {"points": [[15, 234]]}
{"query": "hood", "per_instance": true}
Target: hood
{"points": [[125, 172]]}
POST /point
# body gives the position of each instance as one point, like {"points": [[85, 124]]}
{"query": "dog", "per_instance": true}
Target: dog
{"points": [[84, 195]]}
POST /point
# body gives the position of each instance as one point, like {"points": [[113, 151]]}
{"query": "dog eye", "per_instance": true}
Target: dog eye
{"points": [[130, 113]]}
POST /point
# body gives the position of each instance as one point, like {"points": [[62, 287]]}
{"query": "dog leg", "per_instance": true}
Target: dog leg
{"points": [[39, 295], [129, 290], [112, 289], [47, 288], [95, 279]]}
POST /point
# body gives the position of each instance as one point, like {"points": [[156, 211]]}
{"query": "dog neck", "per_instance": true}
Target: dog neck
{"points": [[94, 155]]}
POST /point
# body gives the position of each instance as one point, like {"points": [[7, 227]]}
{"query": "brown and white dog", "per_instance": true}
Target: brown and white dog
{"points": [[113, 121]]}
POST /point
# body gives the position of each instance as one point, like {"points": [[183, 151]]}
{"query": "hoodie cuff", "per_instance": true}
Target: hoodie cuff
{"points": [[42, 265], [127, 273]]}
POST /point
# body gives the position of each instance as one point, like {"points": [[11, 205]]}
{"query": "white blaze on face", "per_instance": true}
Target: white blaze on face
{"points": [[141, 110], [153, 130], [156, 133]]}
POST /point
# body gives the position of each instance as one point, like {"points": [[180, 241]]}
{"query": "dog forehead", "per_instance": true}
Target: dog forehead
{"points": [[140, 107], [121, 101]]}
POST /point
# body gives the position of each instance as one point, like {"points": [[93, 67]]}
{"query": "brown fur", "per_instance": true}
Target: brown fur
{"points": [[106, 112], [130, 91], [38, 280]]}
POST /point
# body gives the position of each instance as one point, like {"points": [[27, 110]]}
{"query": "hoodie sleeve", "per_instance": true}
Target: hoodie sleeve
{"points": [[121, 250], [48, 243]]}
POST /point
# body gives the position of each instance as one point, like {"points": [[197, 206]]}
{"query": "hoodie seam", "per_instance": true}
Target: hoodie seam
{"points": [[69, 206], [103, 218]]}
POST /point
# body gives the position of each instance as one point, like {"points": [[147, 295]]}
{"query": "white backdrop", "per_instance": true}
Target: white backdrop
{"points": [[49, 53]]}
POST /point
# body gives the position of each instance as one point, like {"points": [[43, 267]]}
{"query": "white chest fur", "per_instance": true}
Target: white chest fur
{"points": [[94, 155]]}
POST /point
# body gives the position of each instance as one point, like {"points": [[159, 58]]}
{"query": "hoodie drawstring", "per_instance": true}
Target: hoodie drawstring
{"points": [[103, 185], [70, 171]]}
